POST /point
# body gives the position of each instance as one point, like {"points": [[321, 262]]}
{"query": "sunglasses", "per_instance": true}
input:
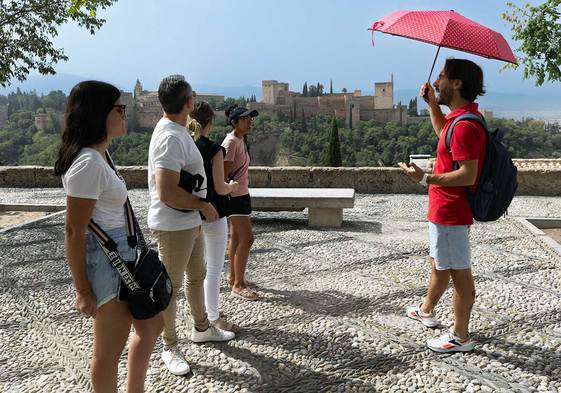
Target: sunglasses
{"points": [[121, 109]]}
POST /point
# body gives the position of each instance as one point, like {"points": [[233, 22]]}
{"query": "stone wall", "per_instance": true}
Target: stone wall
{"points": [[534, 180]]}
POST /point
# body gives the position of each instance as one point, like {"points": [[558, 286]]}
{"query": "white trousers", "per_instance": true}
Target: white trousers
{"points": [[216, 237]]}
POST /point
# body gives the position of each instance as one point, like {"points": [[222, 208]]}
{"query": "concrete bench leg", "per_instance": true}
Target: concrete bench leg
{"points": [[325, 217]]}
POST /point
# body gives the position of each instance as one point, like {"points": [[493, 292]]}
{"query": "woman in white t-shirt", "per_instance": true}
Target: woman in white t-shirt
{"points": [[94, 116]]}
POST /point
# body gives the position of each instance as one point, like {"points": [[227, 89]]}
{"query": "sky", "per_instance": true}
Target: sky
{"points": [[222, 43]]}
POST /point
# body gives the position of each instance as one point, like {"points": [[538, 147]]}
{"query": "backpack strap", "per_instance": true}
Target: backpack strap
{"points": [[468, 117]]}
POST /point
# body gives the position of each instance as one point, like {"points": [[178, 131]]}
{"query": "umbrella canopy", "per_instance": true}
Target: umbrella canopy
{"points": [[446, 29]]}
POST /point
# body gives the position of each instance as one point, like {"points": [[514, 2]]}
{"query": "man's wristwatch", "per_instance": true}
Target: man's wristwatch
{"points": [[423, 181]]}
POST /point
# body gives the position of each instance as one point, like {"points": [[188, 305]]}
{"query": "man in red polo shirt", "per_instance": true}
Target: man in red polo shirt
{"points": [[449, 214]]}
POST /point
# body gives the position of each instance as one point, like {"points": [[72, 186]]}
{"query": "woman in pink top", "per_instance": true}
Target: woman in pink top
{"points": [[236, 167]]}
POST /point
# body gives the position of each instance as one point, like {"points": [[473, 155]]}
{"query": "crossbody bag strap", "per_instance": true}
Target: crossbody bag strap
{"points": [[133, 229], [109, 247], [131, 220]]}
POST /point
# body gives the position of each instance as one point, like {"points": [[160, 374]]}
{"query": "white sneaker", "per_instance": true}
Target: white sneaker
{"points": [[175, 361], [414, 312], [449, 342], [211, 334]]}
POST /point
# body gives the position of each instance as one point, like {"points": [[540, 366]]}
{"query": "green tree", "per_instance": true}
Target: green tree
{"points": [[303, 124], [228, 101], [305, 89], [333, 154], [312, 91], [55, 100], [331, 86], [27, 30], [412, 108], [42, 151], [538, 28]]}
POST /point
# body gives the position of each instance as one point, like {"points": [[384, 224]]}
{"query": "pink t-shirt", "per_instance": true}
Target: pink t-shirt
{"points": [[236, 152]]}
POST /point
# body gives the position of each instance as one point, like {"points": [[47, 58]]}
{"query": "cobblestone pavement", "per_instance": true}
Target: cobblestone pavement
{"points": [[332, 315]]}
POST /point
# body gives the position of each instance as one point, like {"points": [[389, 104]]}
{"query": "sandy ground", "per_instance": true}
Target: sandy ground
{"points": [[10, 218], [554, 233]]}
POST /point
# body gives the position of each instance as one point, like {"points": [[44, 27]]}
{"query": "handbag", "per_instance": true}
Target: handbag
{"points": [[147, 287], [190, 183]]}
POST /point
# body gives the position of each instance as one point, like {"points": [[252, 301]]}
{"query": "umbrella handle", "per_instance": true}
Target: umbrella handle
{"points": [[426, 95], [433, 63]]}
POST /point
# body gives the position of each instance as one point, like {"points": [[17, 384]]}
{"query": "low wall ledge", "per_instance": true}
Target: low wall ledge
{"points": [[536, 177]]}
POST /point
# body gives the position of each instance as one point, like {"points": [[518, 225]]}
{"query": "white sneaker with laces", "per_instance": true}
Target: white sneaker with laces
{"points": [[175, 361], [414, 312], [449, 342], [211, 334]]}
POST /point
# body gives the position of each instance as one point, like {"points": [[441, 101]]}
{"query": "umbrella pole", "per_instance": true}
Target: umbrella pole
{"points": [[433, 63]]}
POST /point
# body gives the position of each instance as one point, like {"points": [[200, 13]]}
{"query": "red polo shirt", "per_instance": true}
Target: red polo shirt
{"points": [[449, 205]]}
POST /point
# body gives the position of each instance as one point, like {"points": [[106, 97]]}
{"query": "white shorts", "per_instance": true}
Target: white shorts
{"points": [[449, 246]]}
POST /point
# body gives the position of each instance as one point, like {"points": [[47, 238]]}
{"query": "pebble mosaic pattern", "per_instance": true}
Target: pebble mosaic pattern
{"points": [[332, 315]]}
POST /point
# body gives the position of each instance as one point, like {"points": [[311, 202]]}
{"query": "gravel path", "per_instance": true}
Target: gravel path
{"points": [[332, 315]]}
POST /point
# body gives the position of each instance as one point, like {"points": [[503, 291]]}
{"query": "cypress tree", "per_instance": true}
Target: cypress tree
{"points": [[305, 89], [304, 126], [333, 154], [331, 86]]}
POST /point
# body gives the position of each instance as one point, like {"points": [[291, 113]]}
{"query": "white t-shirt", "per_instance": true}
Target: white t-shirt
{"points": [[91, 177], [171, 147]]}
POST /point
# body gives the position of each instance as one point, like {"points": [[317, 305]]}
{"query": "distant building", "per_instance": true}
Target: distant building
{"points": [[41, 119], [48, 120], [274, 92], [145, 109], [279, 101]]}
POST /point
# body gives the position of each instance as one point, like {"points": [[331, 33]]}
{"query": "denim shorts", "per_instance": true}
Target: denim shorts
{"points": [[449, 246], [103, 278]]}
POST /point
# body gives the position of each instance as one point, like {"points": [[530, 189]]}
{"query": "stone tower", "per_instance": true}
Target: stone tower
{"points": [[383, 94], [272, 90], [137, 89]]}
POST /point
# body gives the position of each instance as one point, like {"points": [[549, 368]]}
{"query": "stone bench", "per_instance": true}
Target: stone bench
{"points": [[325, 205]]}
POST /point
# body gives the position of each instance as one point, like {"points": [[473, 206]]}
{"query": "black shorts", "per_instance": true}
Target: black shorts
{"points": [[238, 206]]}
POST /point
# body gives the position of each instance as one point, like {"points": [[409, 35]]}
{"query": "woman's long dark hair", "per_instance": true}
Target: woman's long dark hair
{"points": [[86, 114]]}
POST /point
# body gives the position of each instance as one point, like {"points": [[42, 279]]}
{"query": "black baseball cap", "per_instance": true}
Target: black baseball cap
{"points": [[239, 112]]}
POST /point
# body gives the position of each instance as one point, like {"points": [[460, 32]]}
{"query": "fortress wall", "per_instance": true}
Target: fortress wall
{"points": [[536, 177]]}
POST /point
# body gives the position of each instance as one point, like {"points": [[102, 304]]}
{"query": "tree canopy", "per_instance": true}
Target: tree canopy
{"points": [[27, 30], [538, 28], [304, 140]]}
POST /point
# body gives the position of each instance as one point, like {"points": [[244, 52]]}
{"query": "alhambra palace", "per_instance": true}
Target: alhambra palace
{"points": [[279, 101]]}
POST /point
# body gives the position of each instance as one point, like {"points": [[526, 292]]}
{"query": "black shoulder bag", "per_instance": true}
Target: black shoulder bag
{"points": [[147, 287]]}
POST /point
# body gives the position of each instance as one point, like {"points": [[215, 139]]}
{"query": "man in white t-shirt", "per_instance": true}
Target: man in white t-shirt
{"points": [[174, 216]]}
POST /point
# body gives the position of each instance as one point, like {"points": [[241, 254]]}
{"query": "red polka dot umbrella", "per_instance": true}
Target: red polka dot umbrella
{"points": [[446, 29]]}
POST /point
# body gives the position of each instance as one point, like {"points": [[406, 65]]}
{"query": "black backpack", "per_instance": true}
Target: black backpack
{"points": [[498, 180]]}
